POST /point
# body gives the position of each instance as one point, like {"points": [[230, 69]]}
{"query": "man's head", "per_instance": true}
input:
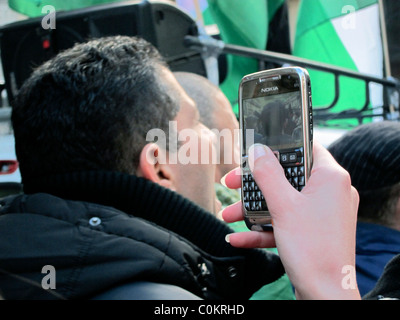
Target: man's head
{"points": [[216, 113], [91, 107], [371, 154]]}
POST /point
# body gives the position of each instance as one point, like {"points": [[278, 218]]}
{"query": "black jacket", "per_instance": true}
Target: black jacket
{"points": [[388, 285], [116, 229]]}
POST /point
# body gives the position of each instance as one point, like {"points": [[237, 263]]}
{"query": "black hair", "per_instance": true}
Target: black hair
{"points": [[370, 153], [90, 108], [379, 206]]}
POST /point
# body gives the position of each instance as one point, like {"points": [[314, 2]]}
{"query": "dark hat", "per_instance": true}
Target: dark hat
{"points": [[371, 154]]}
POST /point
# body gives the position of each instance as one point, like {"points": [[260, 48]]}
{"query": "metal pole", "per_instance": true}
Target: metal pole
{"points": [[197, 44], [391, 84], [385, 46], [199, 14], [384, 39]]}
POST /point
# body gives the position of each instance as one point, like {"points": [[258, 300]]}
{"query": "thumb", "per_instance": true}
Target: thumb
{"points": [[270, 177]]}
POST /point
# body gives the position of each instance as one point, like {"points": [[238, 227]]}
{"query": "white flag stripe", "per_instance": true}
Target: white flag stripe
{"points": [[364, 45]]}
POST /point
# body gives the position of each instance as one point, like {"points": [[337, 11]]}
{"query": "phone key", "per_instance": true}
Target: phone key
{"points": [[288, 172], [264, 206], [256, 207], [258, 196], [294, 172], [300, 160], [292, 157], [284, 158], [301, 181], [247, 206], [252, 196]]}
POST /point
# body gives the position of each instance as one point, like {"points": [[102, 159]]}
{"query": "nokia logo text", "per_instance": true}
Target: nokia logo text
{"points": [[266, 90]]}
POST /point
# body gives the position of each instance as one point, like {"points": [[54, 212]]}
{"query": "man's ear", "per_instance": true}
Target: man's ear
{"points": [[154, 167]]}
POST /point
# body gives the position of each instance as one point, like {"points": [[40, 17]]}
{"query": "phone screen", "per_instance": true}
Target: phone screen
{"points": [[272, 113]]}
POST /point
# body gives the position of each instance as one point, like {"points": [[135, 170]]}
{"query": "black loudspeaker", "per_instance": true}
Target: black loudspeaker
{"points": [[27, 44]]}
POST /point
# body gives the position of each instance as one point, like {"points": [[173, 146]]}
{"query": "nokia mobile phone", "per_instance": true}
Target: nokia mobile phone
{"points": [[275, 109]]}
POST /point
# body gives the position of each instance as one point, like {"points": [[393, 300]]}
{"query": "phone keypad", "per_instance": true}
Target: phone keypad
{"points": [[293, 165], [253, 199]]}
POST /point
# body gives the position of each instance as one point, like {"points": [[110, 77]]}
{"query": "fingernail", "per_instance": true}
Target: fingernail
{"points": [[222, 181], [236, 171], [256, 151], [219, 215], [227, 238]]}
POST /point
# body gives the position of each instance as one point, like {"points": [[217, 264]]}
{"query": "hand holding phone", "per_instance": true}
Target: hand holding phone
{"points": [[314, 231], [275, 109]]}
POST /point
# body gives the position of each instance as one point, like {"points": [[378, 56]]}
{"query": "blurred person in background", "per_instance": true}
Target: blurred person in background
{"points": [[371, 154]]}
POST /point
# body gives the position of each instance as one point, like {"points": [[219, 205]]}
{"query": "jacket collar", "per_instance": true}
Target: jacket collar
{"points": [[145, 199]]}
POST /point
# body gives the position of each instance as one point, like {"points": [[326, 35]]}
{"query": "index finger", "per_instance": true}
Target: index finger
{"points": [[323, 164], [321, 156]]}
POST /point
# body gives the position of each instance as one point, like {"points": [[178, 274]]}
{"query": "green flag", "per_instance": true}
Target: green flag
{"points": [[344, 33], [244, 23]]}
